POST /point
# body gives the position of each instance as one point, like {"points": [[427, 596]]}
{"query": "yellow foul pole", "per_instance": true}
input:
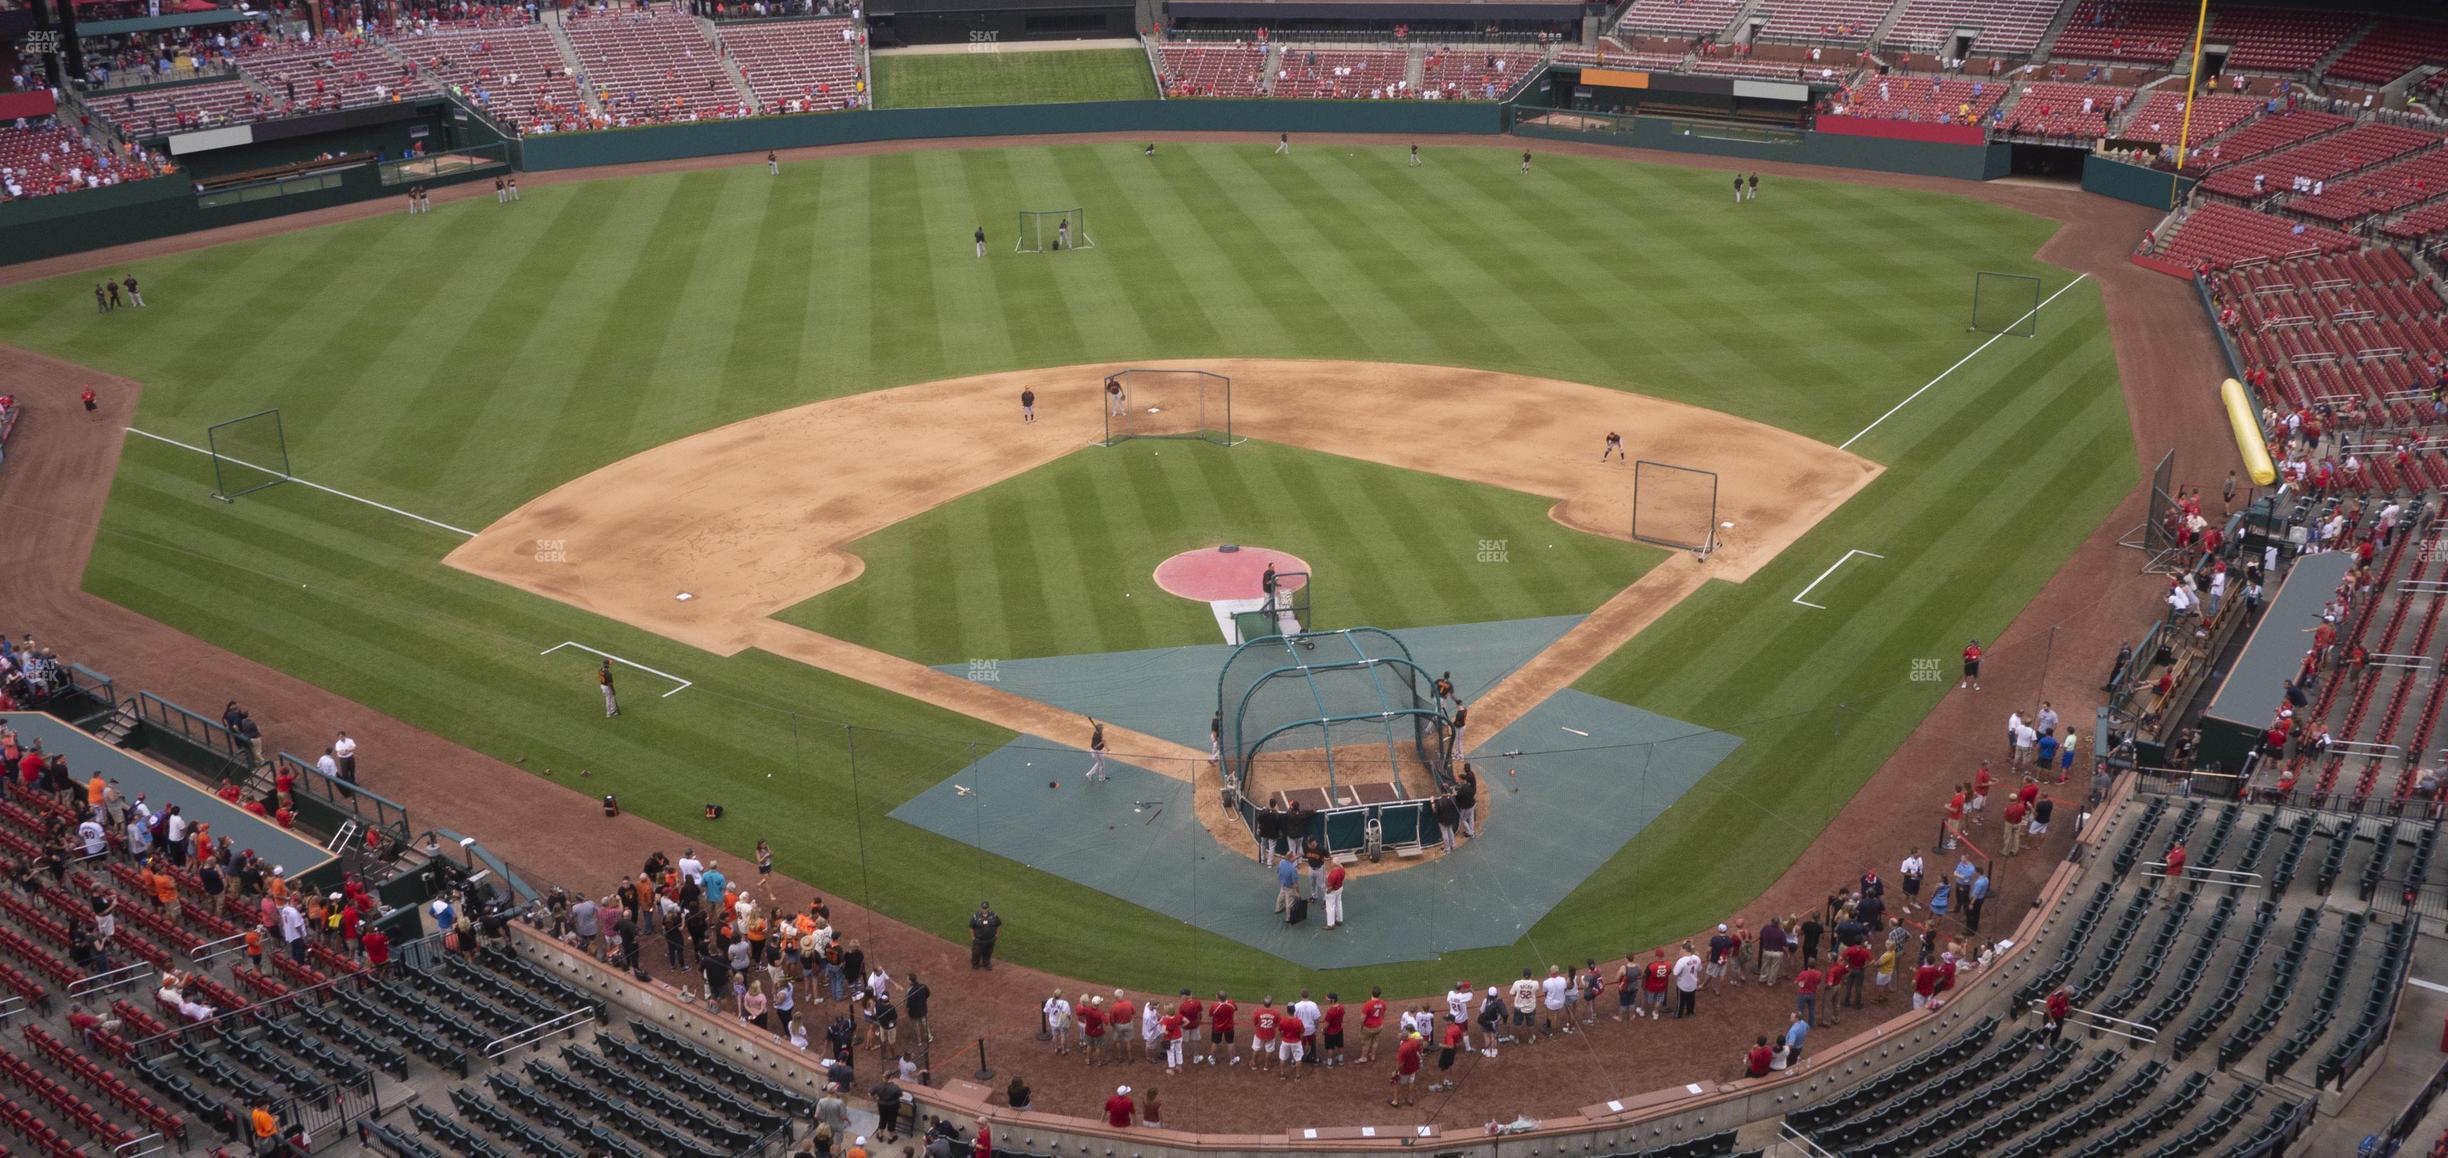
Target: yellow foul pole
{"points": [[2184, 128]]}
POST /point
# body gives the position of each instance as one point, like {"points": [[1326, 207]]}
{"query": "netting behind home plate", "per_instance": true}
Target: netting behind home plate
{"points": [[1347, 709]]}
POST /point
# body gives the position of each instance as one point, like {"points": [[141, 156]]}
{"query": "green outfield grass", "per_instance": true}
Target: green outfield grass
{"points": [[458, 364], [1060, 76], [1001, 572]]}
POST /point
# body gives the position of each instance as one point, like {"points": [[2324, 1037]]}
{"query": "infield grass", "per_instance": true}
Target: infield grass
{"points": [[1054, 76], [460, 363], [1009, 571]]}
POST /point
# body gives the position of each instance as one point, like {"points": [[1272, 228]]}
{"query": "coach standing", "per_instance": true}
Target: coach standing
{"points": [[344, 752], [984, 927]]}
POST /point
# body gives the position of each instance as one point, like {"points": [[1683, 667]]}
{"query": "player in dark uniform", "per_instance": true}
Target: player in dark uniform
{"points": [[1028, 405], [113, 287], [773, 164], [981, 241], [133, 294], [1738, 188], [1614, 446], [1415, 156], [1525, 160], [1096, 745], [1753, 192]]}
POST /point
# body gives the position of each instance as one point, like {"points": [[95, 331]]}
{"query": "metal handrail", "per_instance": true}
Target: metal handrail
{"points": [[549, 1027], [109, 980], [221, 948]]}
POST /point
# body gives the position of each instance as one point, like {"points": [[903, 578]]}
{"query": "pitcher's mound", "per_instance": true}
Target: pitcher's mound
{"points": [[1211, 574]]}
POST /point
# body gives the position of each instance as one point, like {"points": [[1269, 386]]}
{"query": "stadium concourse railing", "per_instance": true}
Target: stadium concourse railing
{"points": [[1635, 1122]]}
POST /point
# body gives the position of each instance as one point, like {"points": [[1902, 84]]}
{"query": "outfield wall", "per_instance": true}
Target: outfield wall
{"points": [[717, 138], [1882, 154], [2139, 184]]}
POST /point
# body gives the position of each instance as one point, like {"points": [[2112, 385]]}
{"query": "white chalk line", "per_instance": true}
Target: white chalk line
{"points": [[684, 684], [1976, 351], [286, 477], [1848, 557]]}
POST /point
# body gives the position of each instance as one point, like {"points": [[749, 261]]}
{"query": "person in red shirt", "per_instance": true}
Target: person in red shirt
{"points": [[1406, 1068], [1171, 1026], [1925, 984], [1292, 1031], [1119, 1108], [982, 1146], [1372, 1023], [1806, 993], [1653, 984], [1755, 1062], [2060, 1005], [377, 948], [1221, 1031], [1971, 666], [1981, 781], [1954, 818], [2013, 836], [1092, 1028], [1856, 959], [1334, 896], [1263, 1024], [1193, 1011], [1122, 1026], [1834, 984], [1330, 1031], [2176, 861], [1448, 1049]]}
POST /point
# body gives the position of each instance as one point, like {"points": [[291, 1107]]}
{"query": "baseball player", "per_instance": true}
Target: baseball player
{"points": [[1062, 234], [1415, 156], [1613, 447], [773, 164], [134, 294], [1096, 745], [1114, 401], [603, 679], [981, 241], [1028, 401], [1283, 144], [1525, 160]]}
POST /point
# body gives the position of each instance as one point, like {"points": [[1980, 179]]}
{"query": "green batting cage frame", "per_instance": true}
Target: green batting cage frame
{"points": [[1674, 506], [248, 454], [2005, 303], [1285, 613], [1054, 230], [1352, 700], [1167, 404]]}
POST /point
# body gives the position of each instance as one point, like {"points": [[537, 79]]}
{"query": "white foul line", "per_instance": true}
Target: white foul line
{"points": [[285, 477], [2433, 986], [1848, 443], [1848, 557], [684, 684]]}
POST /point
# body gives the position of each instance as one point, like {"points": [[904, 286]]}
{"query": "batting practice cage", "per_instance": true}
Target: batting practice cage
{"points": [[248, 454], [2006, 303], [1167, 404], [1054, 230], [1674, 506], [1342, 722]]}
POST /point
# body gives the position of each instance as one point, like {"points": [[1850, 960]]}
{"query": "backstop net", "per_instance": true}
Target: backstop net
{"points": [[1343, 722], [2006, 303], [1054, 230], [248, 454], [1168, 404], [1674, 506]]}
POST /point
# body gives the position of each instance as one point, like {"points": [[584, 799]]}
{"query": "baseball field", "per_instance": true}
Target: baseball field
{"points": [[455, 367]]}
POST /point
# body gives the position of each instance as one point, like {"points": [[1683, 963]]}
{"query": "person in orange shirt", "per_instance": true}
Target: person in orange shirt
{"points": [[254, 947], [165, 889], [95, 789], [265, 1127]]}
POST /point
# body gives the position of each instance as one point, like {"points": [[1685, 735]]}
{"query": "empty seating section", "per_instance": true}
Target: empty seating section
{"points": [[2279, 39], [798, 65], [512, 71], [2142, 31], [179, 108], [652, 65], [1467, 73], [1680, 17], [1824, 21], [2392, 50], [2162, 117], [1340, 73], [36, 162], [2321, 159], [1921, 98], [2383, 190], [2011, 27], [329, 73], [2065, 111], [2421, 224], [2224, 234], [2272, 133], [1198, 69]]}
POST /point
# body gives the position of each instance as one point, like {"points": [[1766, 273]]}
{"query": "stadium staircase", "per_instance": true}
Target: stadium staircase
{"points": [[2048, 39], [730, 64], [569, 61]]}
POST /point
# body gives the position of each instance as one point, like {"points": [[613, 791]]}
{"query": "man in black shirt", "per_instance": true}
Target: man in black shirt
{"points": [[1466, 800], [984, 927], [915, 1000]]}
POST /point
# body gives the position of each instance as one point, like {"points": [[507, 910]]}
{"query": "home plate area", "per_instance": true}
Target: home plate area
{"points": [[1590, 774]]}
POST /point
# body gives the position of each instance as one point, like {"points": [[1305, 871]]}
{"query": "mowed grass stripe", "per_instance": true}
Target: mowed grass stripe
{"points": [[905, 344], [761, 368], [1131, 269], [1261, 261]]}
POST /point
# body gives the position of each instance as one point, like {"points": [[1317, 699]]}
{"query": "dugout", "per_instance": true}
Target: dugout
{"points": [[1342, 722], [2232, 726]]}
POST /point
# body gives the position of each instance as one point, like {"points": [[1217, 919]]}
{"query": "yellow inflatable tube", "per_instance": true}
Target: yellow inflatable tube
{"points": [[2247, 424]]}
